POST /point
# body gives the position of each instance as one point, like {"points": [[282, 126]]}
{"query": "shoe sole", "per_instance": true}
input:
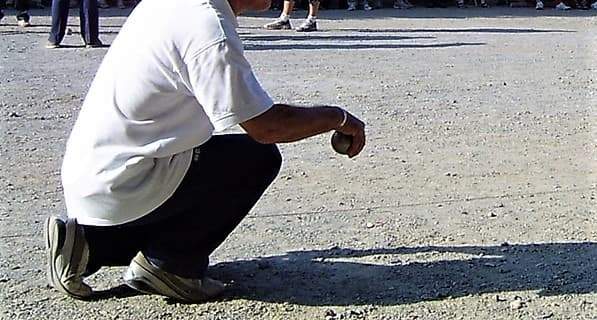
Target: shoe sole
{"points": [[142, 278], [280, 28], [52, 236]]}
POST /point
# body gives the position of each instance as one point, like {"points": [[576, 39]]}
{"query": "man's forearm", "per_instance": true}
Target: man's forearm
{"points": [[284, 123]]}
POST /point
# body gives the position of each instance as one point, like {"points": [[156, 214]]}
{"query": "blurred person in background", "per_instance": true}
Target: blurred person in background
{"points": [[89, 23], [283, 22], [22, 7], [352, 5], [539, 5]]}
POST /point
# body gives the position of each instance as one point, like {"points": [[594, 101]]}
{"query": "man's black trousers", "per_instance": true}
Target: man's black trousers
{"points": [[229, 173]]}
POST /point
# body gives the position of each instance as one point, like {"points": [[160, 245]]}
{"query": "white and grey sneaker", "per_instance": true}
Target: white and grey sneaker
{"points": [[562, 6], [67, 254], [367, 7], [539, 5], [278, 24], [594, 5], [307, 26], [351, 7], [143, 276]]}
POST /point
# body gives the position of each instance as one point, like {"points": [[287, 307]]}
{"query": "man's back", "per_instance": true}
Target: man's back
{"points": [[161, 90]]}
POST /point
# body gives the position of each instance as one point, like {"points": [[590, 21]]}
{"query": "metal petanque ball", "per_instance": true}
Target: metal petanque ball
{"points": [[341, 142]]}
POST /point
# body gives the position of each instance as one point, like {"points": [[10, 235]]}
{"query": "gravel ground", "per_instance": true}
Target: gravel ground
{"points": [[474, 198]]}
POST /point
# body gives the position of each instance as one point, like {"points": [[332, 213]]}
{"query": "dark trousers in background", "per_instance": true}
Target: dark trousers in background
{"points": [[228, 175], [89, 21]]}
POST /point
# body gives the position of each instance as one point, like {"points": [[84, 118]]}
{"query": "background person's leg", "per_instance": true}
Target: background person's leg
{"points": [[22, 7], [230, 175], [283, 22], [313, 8], [89, 16], [59, 21]]}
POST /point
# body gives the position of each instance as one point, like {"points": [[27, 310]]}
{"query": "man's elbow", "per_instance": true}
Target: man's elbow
{"points": [[266, 127], [263, 136]]}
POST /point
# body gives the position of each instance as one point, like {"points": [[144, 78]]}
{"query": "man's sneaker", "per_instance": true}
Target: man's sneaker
{"points": [[67, 254], [307, 26], [143, 276], [562, 6], [351, 7], [278, 24], [539, 5], [460, 4], [367, 7]]}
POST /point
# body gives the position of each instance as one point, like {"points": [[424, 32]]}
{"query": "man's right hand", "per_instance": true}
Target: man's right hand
{"points": [[354, 128]]}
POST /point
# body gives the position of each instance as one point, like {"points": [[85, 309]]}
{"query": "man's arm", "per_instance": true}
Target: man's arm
{"points": [[284, 123]]}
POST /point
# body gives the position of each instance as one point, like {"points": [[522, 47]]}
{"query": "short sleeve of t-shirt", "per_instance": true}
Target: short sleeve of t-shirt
{"points": [[224, 84]]}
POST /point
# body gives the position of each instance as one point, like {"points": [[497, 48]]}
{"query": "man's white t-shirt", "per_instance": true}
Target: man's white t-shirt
{"points": [[175, 73]]}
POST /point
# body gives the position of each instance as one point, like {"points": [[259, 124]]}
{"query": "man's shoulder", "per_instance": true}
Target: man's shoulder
{"points": [[208, 22], [203, 19]]}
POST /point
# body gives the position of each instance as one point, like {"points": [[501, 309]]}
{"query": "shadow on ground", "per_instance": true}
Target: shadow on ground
{"points": [[327, 40], [411, 274], [352, 46]]}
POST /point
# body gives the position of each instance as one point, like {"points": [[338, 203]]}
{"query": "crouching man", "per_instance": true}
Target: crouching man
{"points": [[146, 182]]}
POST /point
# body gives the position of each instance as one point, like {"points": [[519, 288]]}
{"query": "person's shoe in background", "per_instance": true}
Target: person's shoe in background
{"points": [[23, 19], [402, 4], [52, 45], [562, 6], [103, 4], [539, 5], [308, 25], [95, 44], [407, 5], [278, 24]]}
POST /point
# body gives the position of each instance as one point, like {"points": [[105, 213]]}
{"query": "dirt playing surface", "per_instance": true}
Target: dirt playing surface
{"points": [[474, 198]]}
